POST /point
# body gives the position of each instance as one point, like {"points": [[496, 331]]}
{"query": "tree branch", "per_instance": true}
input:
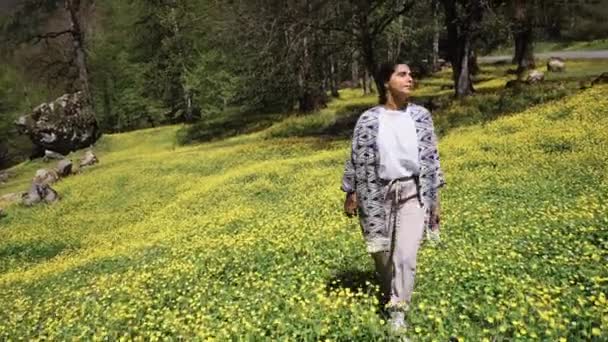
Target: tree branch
{"points": [[382, 23], [50, 35]]}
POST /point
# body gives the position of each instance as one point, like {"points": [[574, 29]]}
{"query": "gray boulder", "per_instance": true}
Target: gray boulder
{"points": [[88, 159], [556, 64], [64, 168], [601, 79], [44, 176], [4, 176], [535, 76], [39, 193], [49, 155], [64, 125]]}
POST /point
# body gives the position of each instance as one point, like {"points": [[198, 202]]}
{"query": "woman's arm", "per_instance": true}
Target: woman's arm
{"points": [[436, 215], [349, 179]]}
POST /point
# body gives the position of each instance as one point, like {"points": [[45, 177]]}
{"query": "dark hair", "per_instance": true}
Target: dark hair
{"points": [[383, 75]]}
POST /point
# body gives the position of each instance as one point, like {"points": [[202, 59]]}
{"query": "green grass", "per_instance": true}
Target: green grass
{"points": [[540, 47], [243, 238]]}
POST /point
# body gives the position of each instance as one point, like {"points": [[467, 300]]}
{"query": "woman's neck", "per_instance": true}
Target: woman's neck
{"points": [[394, 104]]}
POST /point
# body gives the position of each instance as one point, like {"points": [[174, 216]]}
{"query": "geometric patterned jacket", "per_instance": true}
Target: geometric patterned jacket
{"points": [[361, 174]]}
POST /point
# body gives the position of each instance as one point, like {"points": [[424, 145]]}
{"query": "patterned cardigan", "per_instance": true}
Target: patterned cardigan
{"points": [[361, 174]]}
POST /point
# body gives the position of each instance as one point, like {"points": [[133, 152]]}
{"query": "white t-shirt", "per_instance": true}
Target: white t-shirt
{"points": [[397, 144]]}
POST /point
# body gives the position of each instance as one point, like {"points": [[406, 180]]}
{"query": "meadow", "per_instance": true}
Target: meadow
{"points": [[243, 238]]}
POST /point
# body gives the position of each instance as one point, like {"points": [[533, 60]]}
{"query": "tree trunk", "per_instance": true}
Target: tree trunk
{"points": [[473, 65], [434, 60], [368, 83], [364, 82], [464, 83], [312, 97], [333, 78], [80, 57], [312, 100], [188, 110], [523, 38], [107, 105], [524, 50], [371, 67], [354, 69], [367, 51], [460, 49]]}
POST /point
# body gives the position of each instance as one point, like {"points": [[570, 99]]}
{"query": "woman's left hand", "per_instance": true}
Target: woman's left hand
{"points": [[435, 219]]}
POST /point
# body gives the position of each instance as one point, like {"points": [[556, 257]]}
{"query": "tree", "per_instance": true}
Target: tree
{"points": [[166, 43], [366, 21], [571, 20], [463, 22], [280, 55], [78, 41], [522, 28], [27, 26]]}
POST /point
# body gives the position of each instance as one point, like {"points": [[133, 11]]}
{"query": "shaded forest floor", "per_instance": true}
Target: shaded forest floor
{"points": [[337, 120], [244, 237]]}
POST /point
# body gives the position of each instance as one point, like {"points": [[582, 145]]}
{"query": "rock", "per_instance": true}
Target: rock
{"points": [[50, 195], [535, 76], [63, 125], [584, 84], [64, 168], [4, 176], [4, 154], [2, 213], [556, 64], [349, 84], [514, 84], [48, 155], [39, 193], [44, 176], [443, 64], [601, 79], [88, 159]]}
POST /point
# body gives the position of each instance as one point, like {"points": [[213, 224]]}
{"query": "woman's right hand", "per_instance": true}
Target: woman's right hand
{"points": [[350, 204]]}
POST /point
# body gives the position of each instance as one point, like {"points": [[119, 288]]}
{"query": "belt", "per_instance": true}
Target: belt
{"points": [[395, 186]]}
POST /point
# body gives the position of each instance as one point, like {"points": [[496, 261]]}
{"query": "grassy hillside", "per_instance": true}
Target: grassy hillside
{"points": [[244, 238]]}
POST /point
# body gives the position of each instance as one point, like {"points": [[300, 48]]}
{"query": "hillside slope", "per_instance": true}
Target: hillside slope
{"points": [[245, 238]]}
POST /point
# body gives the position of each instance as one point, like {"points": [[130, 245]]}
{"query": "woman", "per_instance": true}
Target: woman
{"points": [[392, 180]]}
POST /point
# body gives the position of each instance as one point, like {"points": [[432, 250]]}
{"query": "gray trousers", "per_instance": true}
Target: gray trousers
{"points": [[396, 268]]}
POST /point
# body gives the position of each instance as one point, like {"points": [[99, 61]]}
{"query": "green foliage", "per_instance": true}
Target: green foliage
{"points": [[13, 102], [119, 94], [213, 82], [584, 20], [9, 94]]}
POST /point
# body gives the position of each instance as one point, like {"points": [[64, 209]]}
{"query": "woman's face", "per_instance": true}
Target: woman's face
{"points": [[401, 82]]}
